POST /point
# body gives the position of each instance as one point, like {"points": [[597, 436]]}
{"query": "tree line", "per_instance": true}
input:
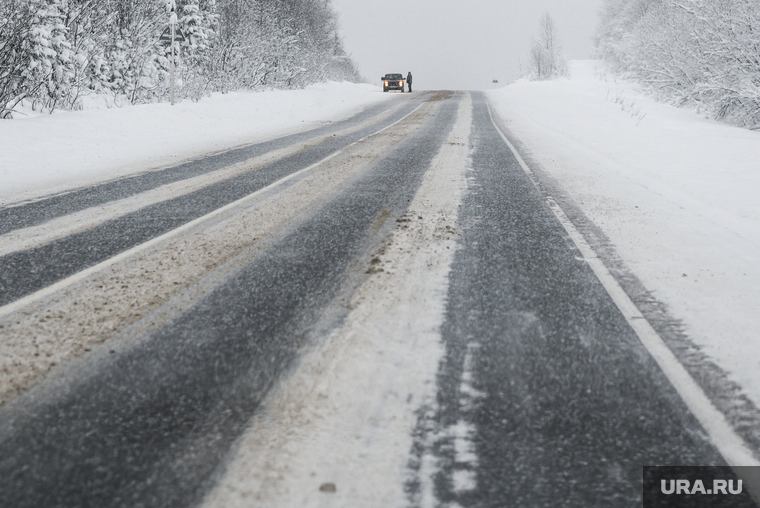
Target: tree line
{"points": [[703, 53], [55, 52]]}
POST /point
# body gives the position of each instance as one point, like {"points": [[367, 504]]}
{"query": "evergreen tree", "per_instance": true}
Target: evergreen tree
{"points": [[35, 57]]}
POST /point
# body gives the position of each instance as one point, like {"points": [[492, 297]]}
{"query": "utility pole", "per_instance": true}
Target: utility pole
{"points": [[172, 33], [172, 6]]}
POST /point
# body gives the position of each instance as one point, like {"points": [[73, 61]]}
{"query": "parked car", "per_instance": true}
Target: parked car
{"points": [[393, 82]]}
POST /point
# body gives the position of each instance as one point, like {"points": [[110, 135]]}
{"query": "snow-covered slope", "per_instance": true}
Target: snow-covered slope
{"points": [[49, 153], [674, 192]]}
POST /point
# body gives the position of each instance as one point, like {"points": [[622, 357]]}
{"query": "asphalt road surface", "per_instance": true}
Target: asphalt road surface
{"points": [[568, 405], [560, 402]]}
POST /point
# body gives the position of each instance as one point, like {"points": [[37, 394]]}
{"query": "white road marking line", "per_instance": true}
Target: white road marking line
{"points": [[730, 445], [60, 227], [49, 290]]}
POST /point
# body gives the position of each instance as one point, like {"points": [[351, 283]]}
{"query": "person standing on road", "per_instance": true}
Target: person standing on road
{"points": [[409, 80]]}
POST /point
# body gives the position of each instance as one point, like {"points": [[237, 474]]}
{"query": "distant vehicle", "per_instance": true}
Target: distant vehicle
{"points": [[495, 81], [393, 82]]}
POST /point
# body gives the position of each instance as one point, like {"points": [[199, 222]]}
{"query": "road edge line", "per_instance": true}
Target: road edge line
{"points": [[729, 444], [62, 284]]}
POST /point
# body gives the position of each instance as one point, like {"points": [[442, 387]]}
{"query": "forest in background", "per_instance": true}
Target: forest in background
{"points": [[700, 53], [53, 53]]}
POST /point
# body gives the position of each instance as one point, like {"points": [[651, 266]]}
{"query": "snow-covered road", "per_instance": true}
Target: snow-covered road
{"points": [[271, 270], [384, 309]]}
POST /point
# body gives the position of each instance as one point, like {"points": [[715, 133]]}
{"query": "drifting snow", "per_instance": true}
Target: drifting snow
{"points": [[674, 192], [43, 154]]}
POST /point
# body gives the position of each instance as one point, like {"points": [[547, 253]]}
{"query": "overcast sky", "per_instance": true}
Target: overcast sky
{"points": [[457, 44]]}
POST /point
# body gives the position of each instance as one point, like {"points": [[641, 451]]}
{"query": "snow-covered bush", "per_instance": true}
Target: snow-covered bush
{"points": [[704, 53]]}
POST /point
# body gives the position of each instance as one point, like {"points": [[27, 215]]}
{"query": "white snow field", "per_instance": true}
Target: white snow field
{"points": [[674, 192], [677, 195]]}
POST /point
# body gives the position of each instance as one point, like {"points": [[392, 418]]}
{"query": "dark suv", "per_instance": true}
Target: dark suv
{"points": [[393, 82]]}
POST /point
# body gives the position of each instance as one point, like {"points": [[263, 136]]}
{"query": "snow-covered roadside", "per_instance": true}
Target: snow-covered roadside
{"points": [[51, 153], [675, 193]]}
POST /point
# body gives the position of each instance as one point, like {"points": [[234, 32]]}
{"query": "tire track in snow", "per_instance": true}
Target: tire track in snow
{"points": [[25, 272], [47, 330]]}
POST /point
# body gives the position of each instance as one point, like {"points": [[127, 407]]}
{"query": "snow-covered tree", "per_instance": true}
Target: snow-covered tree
{"points": [[55, 51], [198, 21], [35, 57], [704, 53], [546, 60]]}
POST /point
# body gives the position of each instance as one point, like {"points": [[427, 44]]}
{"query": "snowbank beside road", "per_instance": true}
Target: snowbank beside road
{"points": [[51, 153], [675, 193]]}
